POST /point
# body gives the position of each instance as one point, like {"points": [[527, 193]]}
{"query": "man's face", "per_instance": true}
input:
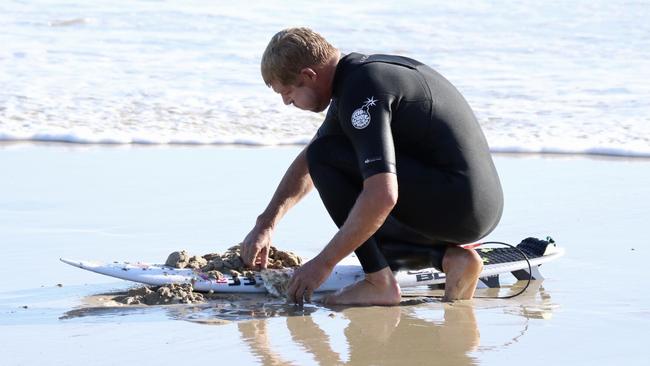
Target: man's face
{"points": [[304, 95]]}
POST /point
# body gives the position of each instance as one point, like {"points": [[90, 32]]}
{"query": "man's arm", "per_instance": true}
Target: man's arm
{"points": [[295, 184], [377, 199], [374, 204]]}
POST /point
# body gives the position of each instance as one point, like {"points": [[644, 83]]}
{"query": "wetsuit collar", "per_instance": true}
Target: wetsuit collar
{"points": [[342, 68]]}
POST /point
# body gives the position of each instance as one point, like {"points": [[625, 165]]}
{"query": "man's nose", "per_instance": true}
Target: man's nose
{"points": [[286, 100]]}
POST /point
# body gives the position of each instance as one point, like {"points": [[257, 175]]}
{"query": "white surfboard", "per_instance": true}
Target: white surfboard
{"points": [[496, 261]]}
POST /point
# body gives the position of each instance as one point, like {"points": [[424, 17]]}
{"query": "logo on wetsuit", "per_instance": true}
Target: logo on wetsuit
{"points": [[361, 116]]}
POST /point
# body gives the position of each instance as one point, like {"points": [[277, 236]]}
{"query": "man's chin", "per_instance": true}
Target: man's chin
{"points": [[312, 109], [315, 109], [319, 108]]}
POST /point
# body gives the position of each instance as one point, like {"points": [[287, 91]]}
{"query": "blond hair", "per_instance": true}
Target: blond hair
{"points": [[292, 50]]}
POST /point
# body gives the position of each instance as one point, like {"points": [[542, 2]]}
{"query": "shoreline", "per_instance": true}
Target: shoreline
{"points": [[203, 146]]}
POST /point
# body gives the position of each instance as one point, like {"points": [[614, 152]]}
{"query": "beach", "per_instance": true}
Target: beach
{"points": [[141, 203], [133, 129]]}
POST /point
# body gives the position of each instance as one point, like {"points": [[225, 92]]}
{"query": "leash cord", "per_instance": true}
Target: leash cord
{"points": [[530, 271]]}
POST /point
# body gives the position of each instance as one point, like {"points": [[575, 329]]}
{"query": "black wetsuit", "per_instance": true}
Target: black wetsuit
{"points": [[392, 114]]}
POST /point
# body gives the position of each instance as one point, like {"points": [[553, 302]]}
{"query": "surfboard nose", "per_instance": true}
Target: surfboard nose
{"points": [[70, 262], [78, 263]]}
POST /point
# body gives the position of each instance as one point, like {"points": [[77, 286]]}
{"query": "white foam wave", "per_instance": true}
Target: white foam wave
{"points": [[73, 138], [634, 152], [513, 147], [545, 77]]}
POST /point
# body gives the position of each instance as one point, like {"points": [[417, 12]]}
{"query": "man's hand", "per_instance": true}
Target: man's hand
{"points": [[255, 247], [306, 280], [295, 184]]}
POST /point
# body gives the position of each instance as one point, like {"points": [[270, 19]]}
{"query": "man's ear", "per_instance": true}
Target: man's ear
{"points": [[309, 73]]}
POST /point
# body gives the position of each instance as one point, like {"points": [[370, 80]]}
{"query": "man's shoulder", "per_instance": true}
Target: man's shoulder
{"points": [[378, 74], [393, 60], [373, 70], [365, 64], [361, 77]]}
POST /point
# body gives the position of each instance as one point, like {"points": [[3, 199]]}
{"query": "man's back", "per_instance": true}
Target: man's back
{"points": [[414, 111]]}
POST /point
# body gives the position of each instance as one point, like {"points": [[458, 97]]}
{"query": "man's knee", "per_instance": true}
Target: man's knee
{"points": [[468, 259], [332, 153], [315, 153], [318, 162]]}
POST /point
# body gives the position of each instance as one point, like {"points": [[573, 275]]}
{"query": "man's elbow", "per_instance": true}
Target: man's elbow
{"points": [[385, 202], [383, 190], [390, 197]]}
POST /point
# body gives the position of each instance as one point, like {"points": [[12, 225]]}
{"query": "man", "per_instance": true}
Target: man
{"points": [[400, 163]]}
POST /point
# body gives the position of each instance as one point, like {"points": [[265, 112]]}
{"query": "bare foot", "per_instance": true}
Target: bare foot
{"points": [[378, 288], [462, 268]]}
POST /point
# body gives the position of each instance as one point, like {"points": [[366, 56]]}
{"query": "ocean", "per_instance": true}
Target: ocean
{"points": [[560, 76]]}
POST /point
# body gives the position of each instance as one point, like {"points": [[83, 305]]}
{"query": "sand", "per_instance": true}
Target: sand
{"points": [[135, 204], [276, 281], [276, 277], [230, 262], [161, 295]]}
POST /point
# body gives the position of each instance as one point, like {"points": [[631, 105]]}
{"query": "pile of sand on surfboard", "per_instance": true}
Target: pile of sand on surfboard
{"points": [[230, 262], [161, 295], [276, 276]]}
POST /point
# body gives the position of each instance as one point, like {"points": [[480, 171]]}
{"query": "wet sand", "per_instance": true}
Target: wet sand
{"points": [[141, 203]]}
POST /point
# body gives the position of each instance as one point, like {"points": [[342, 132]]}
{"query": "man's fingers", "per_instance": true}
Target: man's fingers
{"points": [[307, 294], [252, 257], [295, 290], [264, 257], [300, 294], [244, 252]]}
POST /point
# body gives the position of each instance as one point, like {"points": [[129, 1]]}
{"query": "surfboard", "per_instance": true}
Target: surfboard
{"points": [[496, 261]]}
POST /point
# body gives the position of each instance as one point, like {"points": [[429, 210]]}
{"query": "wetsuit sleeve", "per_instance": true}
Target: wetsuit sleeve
{"points": [[365, 118]]}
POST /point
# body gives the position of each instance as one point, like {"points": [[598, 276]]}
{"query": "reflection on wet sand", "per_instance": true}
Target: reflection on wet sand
{"points": [[378, 336], [256, 335], [420, 331], [220, 309], [536, 303], [310, 337], [402, 334]]}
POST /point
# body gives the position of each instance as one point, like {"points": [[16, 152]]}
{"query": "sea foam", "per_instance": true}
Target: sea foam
{"points": [[548, 77]]}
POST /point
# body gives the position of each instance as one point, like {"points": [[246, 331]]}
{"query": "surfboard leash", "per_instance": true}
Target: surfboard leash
{"points": [[530, 270]]}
